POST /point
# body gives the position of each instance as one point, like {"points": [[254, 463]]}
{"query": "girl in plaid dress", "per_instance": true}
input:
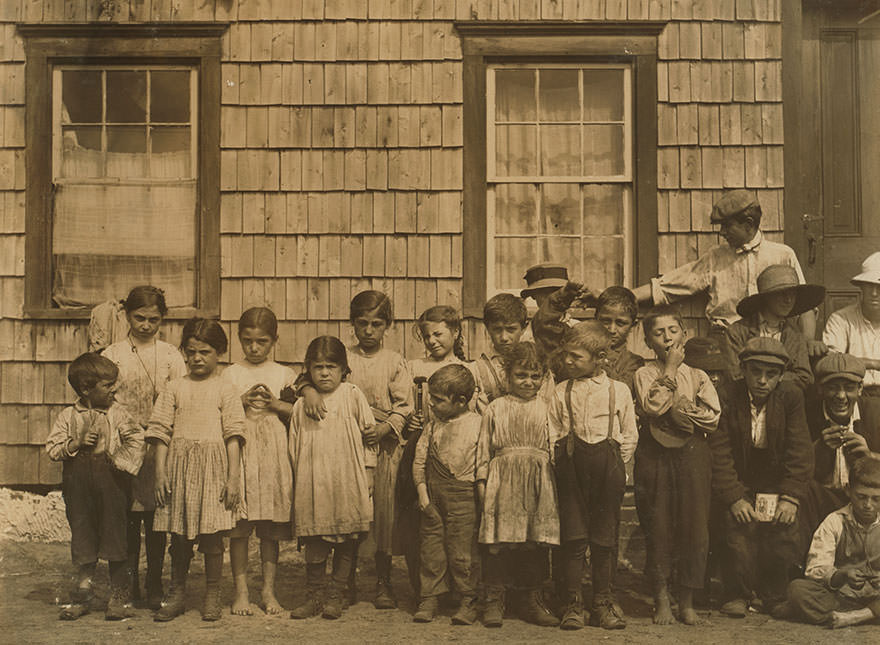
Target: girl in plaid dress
{"points": [[197, 427]]}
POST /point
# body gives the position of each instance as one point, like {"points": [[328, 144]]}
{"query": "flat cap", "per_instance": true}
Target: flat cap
{"points": [[732, 203], [836, 365], [766, 350]]}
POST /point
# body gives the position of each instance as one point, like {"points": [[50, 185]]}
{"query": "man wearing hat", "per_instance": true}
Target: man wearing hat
{"points": [[855, 329], [542, 280], [770, 312], [728, 272], [762, 461]]}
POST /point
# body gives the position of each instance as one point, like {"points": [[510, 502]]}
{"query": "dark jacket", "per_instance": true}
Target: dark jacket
{"points": [[622, 365], [788, 442], [740, 332], [868, 426]]}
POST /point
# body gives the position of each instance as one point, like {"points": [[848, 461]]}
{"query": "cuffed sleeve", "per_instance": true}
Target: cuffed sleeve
{"points": [[231, 413], [161, 424], [682, 281], [706, 411], [60, 436], [655, 392], [820, 559]]}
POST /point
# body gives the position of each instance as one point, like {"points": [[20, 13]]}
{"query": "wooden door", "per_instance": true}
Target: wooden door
{"points": [[833, 216]]}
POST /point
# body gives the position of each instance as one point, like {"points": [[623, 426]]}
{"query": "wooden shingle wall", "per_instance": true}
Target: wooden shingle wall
{"points": [[341, 162]]}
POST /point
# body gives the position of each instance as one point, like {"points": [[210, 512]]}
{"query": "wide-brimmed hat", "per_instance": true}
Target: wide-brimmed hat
{"points": [[733, 202], [544, 276], [705, 354], [765, 350], [870, 270], [782, 277], [836, 365]]}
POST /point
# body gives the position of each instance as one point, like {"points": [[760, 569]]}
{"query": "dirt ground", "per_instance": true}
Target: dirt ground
{"points": [[34, 579]]}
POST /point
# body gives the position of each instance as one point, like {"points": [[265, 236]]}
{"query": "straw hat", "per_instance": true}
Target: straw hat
{"points": [[782, 277], [544, 276], [870, 270]]}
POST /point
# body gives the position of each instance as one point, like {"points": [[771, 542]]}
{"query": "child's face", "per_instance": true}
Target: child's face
{"points": [[144, 322], [865, 502], [780, 303], [438, 339], [580, 362], [256, 344], [840, 396], [664, 335], [761, 379], [618, 321], [870, 300], [369, 329], [447, 406], [504, 335], [102, 395], [737, 231], [326, 375], [524, 382], [716, 377], [201, 359]]}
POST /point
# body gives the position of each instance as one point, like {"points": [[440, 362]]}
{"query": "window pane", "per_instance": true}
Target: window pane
{"points": [[561, 150], [564, 250], [127, 97], [171, 152], [603, 209], [126, 151], [603, 261], [516, 150], [603, 150], [515, 209], [513, 255], [603, 95], [560, 209], [80, 96], [169, 97], [515, 95], [81, 154], [559, 95]]}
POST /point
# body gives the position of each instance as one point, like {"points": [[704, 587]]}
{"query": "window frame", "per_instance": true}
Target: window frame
{"points": [[48, 45], [537, 42]]}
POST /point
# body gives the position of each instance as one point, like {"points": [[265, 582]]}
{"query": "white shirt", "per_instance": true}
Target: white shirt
{"points": [[840, 475], [848, 331], [759, 424]]}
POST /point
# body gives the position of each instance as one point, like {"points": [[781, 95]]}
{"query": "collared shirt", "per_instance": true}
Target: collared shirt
{"points": [[454, 443], [590, 404], [759, 423], [840, 541], [768, 329], [848, 331], [839, 477], [727, 275]]}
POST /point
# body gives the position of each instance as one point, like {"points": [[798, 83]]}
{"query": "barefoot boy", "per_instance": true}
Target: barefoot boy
{"points": [[842, 584]]}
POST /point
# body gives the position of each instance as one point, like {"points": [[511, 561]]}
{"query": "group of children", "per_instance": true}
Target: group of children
{"points": [[491, 477]]}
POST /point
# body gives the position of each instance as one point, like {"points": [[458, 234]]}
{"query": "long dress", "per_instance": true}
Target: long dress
{"points": [[331, 495], [521, 504], [143, 373], [268, 478], [386, 383], [195, 418]]}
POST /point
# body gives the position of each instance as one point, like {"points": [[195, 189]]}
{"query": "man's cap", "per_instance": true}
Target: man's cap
{"points": [[705, 354], [781, 277], [544, 276], [836, 365], [765, 350], [870, 272], [733, 202]]}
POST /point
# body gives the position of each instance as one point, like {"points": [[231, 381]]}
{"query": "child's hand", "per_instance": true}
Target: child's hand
{"points": [[832, 436], [371, 437], [257, 397], [230, 496], [675, 356], [852, 576], [89, 436], [816, 348], [786, 512], [415, 423], [313, 404], [162, 491], [743, 512], [854, 445], [382, 430]]}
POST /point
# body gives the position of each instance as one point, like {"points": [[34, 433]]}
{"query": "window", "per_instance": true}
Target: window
{"points": [[560, 153], [123, 165], [559, 171]]}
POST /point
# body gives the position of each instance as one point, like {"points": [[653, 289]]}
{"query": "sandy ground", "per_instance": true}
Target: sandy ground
{"points": [[34, 578]]}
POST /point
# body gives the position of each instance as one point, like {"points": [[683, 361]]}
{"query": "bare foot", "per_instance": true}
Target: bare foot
{"points": [[270, 603], [688, 616], [663, 609], [850, 618], [241, 605]]}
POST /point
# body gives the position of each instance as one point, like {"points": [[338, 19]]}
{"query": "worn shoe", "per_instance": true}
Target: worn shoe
{"points": [[173, 606], [467, 612], [311, 607], [73, 611], [573, 616], [735, 608], [427, 610], [332, 604], [118, 606], [384, 596], [607, 614], [154, 597], [534, 610], [212, 609], [493, 614]]}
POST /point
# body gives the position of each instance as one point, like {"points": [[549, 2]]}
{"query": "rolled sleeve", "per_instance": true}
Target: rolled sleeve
{"points": [[161, 424], [421, 456], [129, 456], [59, 437], [231, 413], [400, 391], [655, 393], [835, 334], [820, 559], [682, 281]]}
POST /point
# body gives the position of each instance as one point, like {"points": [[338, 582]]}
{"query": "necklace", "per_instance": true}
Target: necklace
{"points": [[152, 378]]}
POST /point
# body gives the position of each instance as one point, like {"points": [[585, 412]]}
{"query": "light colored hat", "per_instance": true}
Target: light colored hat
{"points": [[782, 277], [870, 270], [733, 202], [544, 276], [765, 350], [835, 365]]}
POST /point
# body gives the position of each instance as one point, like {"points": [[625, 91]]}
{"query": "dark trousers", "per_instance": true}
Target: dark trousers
{"points": [[154, 542], [673, 489], [316, 554], [813, 602], [97, 498], [449, 536], [519, 567], [761, 557], [603, 563]]}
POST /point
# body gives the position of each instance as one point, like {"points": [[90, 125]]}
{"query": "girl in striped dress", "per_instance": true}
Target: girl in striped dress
{"points": [[197, 427]]}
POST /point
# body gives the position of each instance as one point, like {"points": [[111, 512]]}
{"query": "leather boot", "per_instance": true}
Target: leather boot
{"points": [[534, 610], [175, 602], [493, 613], [573, 616], [333, 603], [316, 573]]}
